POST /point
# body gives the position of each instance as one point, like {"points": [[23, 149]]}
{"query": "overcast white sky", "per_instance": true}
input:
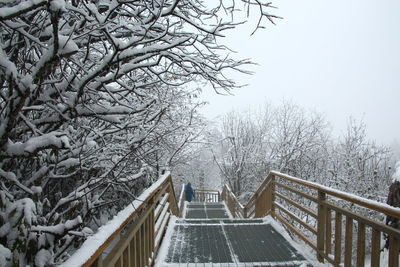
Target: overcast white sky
{"points": [[341, 58]]}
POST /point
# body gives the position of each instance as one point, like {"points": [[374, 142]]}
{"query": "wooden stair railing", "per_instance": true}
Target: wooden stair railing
{"points": [[235, 207], [204, 195], [181, 202], [280, 196], [136, 232]]}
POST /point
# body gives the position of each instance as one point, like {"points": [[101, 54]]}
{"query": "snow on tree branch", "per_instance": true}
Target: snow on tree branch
{"points": [[95, 103]]}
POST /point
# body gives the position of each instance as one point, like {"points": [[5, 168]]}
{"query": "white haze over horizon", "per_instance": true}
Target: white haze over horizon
{"points": [[339, 58]]}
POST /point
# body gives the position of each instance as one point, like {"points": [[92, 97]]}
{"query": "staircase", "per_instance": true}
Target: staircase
{"points": [[216, 230], [209, 236]]}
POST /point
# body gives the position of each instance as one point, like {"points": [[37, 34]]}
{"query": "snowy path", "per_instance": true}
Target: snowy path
{"points": [[208, 237]]}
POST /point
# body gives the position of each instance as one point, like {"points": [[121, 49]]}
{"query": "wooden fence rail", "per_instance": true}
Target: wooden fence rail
{"points": [[324, 222], [235, 207], [203, 195], [134, 236]]}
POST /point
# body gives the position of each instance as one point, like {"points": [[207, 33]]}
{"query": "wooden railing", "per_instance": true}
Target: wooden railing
{"points": [[318, 215], [135, 233], [235, 207], [202, 195], [181, 202]]}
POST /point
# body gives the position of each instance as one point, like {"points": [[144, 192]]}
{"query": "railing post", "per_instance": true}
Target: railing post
{"points": [[321, 226], [272, 199], [256, 206]]}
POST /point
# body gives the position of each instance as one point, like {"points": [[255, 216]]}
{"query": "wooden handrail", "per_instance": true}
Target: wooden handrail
{"points": [[324, 234], [139, 220], [371, 204]]}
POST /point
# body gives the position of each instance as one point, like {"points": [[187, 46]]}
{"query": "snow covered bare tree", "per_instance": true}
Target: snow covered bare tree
{"points": [[85, 97]]}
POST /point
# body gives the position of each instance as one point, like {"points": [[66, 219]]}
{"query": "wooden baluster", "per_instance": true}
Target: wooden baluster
{"points": [[328, 232], [375, 248], [147, 238], [338, 237], [132, 262], [393, 251], [264, 202], [272, 199], [321, 226], [152, 236], [257, 206], [126, 256], [348, 242], [361, 245], [139, 247]]}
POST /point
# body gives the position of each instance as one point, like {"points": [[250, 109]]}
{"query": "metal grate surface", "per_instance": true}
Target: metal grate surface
{"points": [[206, 211], [203, 239], [241, 245]]}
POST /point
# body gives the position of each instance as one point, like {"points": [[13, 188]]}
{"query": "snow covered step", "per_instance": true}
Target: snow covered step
{"points": [[228, 243], [223, 221], [202, 210]]}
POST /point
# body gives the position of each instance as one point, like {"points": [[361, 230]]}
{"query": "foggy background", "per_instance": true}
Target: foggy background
{"points": [[339, 58]]}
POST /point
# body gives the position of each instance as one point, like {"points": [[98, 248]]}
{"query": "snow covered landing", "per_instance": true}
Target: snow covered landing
{"points": [[227, 242]]}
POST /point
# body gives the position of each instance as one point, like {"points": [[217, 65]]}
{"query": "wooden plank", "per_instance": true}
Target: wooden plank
{"points": [[159, 235], [139, 247], [375, 248], [321, 227], [393, 251], [388, 210], [328, 231], [132, 245], [261, 187], [348, 242], [126, 256], [368, 222], [172, 199], [338, 237], [271, 197], [149, 236], [152, 237], [137, 211], [294, 190], [144, 243], [161, 204], [125, 240], [297, 219], [361, 245], [296, 231], [297, 205]]}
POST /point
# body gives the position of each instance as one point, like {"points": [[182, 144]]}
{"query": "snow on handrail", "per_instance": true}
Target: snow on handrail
{"points": [[101, 239]]}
